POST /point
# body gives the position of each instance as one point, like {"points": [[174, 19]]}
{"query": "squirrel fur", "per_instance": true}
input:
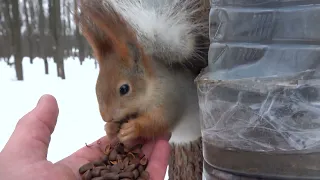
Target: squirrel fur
{"points": [[149, 54]]}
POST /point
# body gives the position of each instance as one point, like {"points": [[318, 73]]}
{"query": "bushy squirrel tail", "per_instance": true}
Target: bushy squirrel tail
{"points": [[167, 30]]}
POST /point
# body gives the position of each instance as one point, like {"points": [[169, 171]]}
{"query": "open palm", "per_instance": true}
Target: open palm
{"points": [[25, 154]]}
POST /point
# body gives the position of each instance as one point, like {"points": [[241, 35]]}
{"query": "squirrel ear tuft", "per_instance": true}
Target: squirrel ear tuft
{"points": [[100, 42], [106, 30]]}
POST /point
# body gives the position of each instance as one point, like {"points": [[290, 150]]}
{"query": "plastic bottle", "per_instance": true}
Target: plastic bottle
{"points": [[259, 95]]}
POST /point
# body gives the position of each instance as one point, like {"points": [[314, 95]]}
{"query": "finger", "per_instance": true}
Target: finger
{"points": [[31, 137], [158, 160], [149, 146], [89, 153]]}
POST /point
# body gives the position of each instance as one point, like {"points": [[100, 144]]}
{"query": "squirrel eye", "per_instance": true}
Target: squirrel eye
{"points": [[124, 89]]}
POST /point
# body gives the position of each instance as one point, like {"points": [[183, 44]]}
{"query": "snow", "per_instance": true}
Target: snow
{"points": [[75, 96], [79, 121]]}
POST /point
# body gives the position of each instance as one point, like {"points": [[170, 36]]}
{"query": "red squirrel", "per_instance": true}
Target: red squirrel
{"points": [[147, 51]]}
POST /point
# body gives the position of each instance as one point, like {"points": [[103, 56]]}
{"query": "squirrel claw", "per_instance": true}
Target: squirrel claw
{"points": [[129, 131]]}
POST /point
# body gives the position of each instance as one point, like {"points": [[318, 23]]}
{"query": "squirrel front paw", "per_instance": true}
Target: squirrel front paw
{"points": [[112, 129], [129, 131]]}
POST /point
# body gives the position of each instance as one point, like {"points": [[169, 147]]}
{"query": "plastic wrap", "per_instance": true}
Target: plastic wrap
{"points": [[259, 97], [262, 114]]}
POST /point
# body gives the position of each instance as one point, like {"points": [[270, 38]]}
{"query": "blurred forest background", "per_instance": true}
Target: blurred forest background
{"points": [[43, 29]]}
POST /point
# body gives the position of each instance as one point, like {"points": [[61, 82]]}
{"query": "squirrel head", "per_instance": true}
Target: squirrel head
{"points": [[124, 68], [122, 84]]}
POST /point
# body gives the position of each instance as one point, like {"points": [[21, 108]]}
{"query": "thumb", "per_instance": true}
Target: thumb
{"points": [[31, 137]]}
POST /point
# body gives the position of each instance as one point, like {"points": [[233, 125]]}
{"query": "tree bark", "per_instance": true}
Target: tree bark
{"points": [[33, 26], [17, 39], [95, 64], [41, 37], [64, 24], [56, 32], [2, 31], [79, 38], [186, 161], [9, 24], [29, 28], [69, 20], [46, 66]]}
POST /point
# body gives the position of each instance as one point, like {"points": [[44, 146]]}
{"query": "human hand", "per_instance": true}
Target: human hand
{"points": [[25, 154]]}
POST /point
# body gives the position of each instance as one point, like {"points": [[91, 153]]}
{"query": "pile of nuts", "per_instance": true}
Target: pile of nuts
{"points": [[118, 163]]}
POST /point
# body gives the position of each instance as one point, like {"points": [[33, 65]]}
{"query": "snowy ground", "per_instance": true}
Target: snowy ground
{"points": [[75, 96]]}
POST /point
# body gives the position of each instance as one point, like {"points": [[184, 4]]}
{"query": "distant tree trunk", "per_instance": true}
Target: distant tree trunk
{"points": [[64, 30], [9, 24], [41, 37], [46, 66], [33, 25], [71, 42], [95, 64], [56, 32], [79, 37], [2, 31], [17, 39], [69, 20], [29, 29], [64, 24]]}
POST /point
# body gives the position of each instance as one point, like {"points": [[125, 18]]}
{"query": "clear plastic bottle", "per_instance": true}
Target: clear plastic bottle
{"points": [[260, 94]]}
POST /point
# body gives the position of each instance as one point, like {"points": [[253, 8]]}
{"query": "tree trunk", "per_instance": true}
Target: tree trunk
{"points": [[79, 38], [29, 29], [60, 64], [186, 161], [81, 51], [60, 67], [95, 64], [56, 32], [2, 31], [41, 37], [46, 66], [64, 24], [69, 20], [9, 24], [33, 25], [17, 39]]}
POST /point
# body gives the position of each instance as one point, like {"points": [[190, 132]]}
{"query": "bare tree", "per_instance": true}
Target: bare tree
{"points": [[64, 22], [2, 30], [64, 27], [34, 26], [8, 23], [55, 29], [68, 13], [26, 6], [42, 36], [79, 37], [68, 17], [15, 27], [35, 33]]}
